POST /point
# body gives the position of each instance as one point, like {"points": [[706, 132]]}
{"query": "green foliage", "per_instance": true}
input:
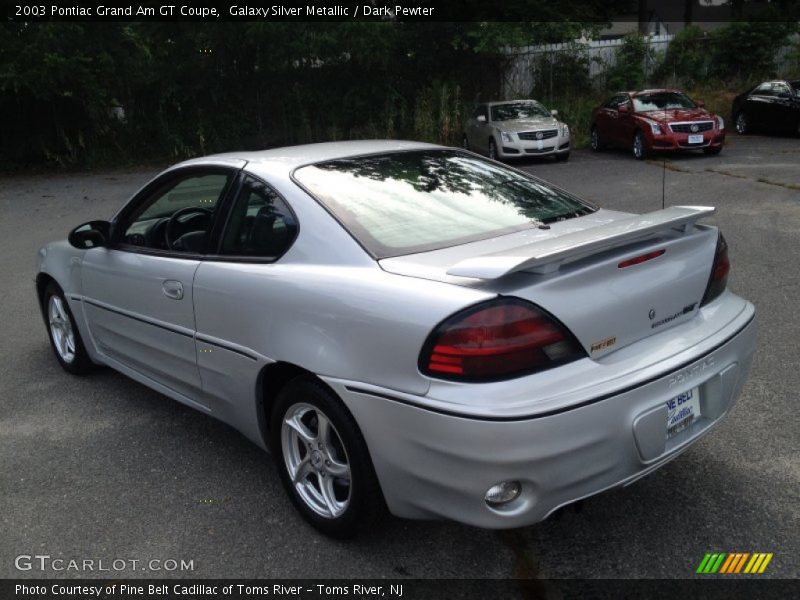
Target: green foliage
{"points": [[747, 50], [629, 70], [565, 72], [686, 60]]}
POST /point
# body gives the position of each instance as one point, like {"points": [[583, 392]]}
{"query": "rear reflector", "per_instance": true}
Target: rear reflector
{"points": [[499, 339], [637, 260], [718, 280]]}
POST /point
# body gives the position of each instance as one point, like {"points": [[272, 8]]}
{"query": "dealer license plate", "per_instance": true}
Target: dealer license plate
{"points": [[682, 411], [695, 139]]}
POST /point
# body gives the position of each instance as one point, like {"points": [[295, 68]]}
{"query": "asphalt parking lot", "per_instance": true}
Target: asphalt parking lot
{"points": [[102, 467]]}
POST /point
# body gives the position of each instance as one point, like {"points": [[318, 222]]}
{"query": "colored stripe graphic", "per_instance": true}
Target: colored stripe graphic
{"points": [[733, 562]]}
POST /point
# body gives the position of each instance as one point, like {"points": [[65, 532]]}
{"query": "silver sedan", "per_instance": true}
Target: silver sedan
{"points": [[515, 129], [410, 327]]}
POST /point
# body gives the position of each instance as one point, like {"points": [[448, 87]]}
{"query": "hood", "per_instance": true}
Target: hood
{"points": [[516, 125], [674, 115]]}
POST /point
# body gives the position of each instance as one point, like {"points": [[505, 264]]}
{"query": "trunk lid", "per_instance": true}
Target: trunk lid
{"points": [[572, 271]]}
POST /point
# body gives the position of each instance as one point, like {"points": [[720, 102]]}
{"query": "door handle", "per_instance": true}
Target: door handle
{"points": [[172, 289]]}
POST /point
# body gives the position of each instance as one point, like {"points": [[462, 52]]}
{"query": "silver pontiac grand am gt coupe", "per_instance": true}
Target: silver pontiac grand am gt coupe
{"points": [[516, 128], [410, 326]]}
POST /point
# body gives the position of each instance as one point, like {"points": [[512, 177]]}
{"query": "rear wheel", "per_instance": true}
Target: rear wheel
{"points": [[323, 460], [743, 126], [595, 141], [492, 150], [65, 339], [640, 151]]}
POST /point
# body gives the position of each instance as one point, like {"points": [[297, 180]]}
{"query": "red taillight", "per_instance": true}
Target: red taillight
{"points": [[499, 339], [637, 260], [718, 280]]}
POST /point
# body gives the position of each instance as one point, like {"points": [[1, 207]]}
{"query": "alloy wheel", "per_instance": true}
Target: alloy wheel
{"points": [[316, 460], [742, 124], [61, 329], [638, 146]]}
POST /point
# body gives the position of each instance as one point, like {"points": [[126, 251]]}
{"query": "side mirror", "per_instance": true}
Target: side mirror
{"points": [[481, 118], [90, 235], [623, 109], [701, 104], [554, 113]]}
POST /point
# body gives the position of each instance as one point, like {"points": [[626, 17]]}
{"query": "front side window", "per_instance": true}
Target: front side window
{"points": [[178, 215], [260, 224], [661, 101], [765, 89], [407, 202]]}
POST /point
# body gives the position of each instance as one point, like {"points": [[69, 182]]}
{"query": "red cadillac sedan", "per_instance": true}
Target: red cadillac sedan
{"points": [[656, 120]]}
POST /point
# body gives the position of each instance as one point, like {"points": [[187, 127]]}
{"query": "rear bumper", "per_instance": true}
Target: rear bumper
{"points": [[438, 464]]}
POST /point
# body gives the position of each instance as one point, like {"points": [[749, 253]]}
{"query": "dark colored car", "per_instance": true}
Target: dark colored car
{"points": [[769, 106], [656, 120]]}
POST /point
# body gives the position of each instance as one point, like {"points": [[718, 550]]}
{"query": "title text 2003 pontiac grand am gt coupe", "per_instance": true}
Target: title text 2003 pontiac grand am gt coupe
{"points": [[410, 326]]}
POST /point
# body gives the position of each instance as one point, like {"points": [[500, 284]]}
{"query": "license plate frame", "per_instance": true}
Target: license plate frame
{"points": [[696, 139], [682, 411]]}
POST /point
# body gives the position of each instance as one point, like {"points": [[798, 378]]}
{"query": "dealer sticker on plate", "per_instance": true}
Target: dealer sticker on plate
{"points": [[682, 411], [695, 139]]}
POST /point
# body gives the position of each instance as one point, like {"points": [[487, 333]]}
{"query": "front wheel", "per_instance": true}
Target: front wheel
{"points": [[492, 150], [323, 460], [639, 146], [65, 339], [743, 124]]}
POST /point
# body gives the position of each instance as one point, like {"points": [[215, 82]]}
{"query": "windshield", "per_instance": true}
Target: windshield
{"points": [[407, 202], [661, 101], [518, 110]]}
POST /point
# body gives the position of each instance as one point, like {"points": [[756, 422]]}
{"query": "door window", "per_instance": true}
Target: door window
{"points": [[178, 216], [260, 225]]}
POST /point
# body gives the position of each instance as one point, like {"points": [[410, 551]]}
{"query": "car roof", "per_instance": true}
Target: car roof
{"points": [[496, 102], [295, 156], [653, 91]]}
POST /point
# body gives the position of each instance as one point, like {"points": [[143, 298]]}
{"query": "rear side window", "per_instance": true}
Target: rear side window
{"points": [[260, 224], [407, 202]]}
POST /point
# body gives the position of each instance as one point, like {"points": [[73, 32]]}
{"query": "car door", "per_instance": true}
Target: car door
{"points": [[479, 131], [626, 123], [606, 119], [783, 107], [238, 293], [137, 291], [757, 106]]}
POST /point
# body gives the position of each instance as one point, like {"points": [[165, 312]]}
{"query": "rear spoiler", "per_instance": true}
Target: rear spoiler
{"points": [[548, 255]]}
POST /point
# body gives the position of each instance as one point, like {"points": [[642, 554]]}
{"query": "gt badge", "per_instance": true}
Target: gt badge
{"points": [[604, 344]]}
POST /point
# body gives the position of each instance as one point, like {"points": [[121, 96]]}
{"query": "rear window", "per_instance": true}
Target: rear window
{"points": [[407, 202]]}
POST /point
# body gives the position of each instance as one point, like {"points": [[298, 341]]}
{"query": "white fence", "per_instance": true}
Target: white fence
{"points": [[521, 73]]}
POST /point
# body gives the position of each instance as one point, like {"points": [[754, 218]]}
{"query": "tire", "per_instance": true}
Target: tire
{"points": [[493, 150], [337, 491], [465, 142], [640, 151], [594, 140], [743, 126], [65, 339], [712, 151], [562, 157]]}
